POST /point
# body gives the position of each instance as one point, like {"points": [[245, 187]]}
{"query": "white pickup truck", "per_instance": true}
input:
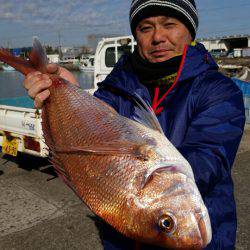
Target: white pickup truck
{"points": [[20, 129], [20, 123]]}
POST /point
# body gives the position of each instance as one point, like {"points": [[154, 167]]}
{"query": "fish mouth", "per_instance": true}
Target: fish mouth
{"points": [[205, 229]]}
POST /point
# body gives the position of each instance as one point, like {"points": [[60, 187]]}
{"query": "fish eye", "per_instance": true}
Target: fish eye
{"points": [[167, 223]]}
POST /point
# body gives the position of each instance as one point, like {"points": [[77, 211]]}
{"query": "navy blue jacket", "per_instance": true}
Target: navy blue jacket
{"points": [[203, 117]]}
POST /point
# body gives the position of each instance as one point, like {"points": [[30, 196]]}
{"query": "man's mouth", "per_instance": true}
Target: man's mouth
{"points": [[159, 52]]}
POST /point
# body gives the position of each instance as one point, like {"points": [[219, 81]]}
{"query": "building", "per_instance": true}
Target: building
{"points": [[227, 43], [213, 44]]}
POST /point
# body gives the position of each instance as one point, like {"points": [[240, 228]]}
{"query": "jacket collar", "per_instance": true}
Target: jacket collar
{"points": [[197, 61]]}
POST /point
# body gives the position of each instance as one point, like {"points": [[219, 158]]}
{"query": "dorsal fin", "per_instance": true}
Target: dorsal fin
{"points": [[38, 57], [145, 115], [37, 62]]}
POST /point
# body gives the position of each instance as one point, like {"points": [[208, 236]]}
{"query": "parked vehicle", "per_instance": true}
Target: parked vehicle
{"points": [[218, 53], [20, 127], [230, 54], [108, 52], [237, 52], [246, 52]]}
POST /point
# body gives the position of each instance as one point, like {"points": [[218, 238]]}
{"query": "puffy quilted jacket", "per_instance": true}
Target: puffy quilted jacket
{"points": [[203, 116]]}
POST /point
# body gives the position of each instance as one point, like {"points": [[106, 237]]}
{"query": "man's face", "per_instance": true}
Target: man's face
{"points": [[160, 38]]}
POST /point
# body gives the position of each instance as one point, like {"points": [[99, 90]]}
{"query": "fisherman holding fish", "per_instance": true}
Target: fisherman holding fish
{"points": [[200, 110]]}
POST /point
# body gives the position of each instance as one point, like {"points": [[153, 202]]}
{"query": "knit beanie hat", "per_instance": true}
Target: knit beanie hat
{"points": [[183, 10]]}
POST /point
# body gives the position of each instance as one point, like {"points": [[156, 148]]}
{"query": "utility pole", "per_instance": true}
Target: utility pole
{"points": [[59, 39], [59, 47]]}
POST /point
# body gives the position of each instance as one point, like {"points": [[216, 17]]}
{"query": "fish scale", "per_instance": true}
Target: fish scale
{"points": [[127, 172], [100, 200], [63, 121]]}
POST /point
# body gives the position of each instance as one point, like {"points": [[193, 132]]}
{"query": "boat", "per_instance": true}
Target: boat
{"points": [[7, 68], [87, 64]]}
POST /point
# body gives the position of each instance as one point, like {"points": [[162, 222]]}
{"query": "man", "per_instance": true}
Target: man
{"points": [[200, 110]]}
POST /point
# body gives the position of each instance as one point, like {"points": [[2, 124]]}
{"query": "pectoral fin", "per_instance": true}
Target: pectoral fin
{"points": [[114, 148]]}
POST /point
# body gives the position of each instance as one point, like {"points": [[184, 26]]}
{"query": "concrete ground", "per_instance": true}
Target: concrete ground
{"points": [[37, 211]]}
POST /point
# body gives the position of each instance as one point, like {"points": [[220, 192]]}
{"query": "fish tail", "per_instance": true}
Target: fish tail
{"points": [[37, 59]]}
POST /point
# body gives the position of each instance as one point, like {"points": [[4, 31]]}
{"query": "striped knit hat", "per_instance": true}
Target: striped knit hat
{"points": [[183, 10]]}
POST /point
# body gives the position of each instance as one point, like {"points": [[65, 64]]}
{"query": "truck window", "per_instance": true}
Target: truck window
{"points": [[110, 54]]}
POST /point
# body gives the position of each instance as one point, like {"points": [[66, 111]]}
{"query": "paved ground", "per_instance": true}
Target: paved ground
{"points": [[38, 211]]}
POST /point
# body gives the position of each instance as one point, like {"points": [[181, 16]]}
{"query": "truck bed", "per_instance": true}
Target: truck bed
{"points": [[21, 127]]}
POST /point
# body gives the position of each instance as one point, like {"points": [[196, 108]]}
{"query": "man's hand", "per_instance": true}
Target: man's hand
{"points": [[37, 83]]}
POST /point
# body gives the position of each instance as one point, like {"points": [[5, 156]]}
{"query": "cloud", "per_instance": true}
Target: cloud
{"points": [[62, 12], [72, 19]]}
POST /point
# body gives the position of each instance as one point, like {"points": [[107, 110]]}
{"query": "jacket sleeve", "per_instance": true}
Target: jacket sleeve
{"points": [[210, 146]]}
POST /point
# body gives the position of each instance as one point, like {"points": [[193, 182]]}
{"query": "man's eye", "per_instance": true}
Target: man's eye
{"points": [[145, 28], [169, 25]]}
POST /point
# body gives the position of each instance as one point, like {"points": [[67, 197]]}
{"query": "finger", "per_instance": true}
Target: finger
{"points": [[33, 79], [39, 87], [40, 98], [32, 74], [28, 79]]}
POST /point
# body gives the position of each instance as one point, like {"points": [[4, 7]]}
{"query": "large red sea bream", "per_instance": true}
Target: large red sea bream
{"points": [[127, 172]]}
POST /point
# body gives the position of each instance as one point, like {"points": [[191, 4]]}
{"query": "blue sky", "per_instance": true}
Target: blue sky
{"points": [[73, 20]]}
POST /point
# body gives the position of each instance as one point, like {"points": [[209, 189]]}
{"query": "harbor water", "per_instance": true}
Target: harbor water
{"points": [[11, 83]]}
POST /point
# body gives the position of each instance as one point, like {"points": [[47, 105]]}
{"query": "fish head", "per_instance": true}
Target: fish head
{"points": [[171, 212]]}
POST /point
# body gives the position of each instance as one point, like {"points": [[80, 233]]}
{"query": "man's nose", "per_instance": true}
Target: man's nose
{"points": [[158, 36]]}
